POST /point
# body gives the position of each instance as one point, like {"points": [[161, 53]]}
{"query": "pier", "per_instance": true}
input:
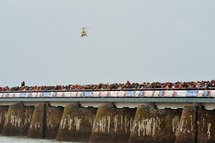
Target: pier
{"points": [[107, 120]]}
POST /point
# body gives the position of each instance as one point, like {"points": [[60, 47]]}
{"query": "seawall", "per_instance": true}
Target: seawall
{"points": [[110, 116], [109, 124]]}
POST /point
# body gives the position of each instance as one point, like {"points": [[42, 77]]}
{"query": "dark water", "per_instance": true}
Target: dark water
{"points": [[4, 139]]}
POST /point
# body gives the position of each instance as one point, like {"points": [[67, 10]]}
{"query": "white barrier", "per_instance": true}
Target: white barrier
{"points": [[112, 94]]}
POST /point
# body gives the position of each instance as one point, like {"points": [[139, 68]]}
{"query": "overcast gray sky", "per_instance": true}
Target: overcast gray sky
{"points": [[136, 40]]}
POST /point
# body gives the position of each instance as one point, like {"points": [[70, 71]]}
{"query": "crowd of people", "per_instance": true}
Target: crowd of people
{"points": [[116, 86]]}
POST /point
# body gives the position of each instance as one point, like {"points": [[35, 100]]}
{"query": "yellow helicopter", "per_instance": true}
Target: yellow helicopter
{"points": [[83, 32]]}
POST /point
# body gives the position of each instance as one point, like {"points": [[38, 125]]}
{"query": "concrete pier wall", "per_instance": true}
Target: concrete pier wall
{"points": [[186, 132], [3, 115], [38, 122], [205, 126], [45, 121], [112, 124], [76, 123], [109, 124], [17, 121], [53, 118], [154, 125]]}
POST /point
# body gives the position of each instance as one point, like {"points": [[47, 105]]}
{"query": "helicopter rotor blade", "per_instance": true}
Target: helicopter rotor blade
{"points": [[89, 27]]}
